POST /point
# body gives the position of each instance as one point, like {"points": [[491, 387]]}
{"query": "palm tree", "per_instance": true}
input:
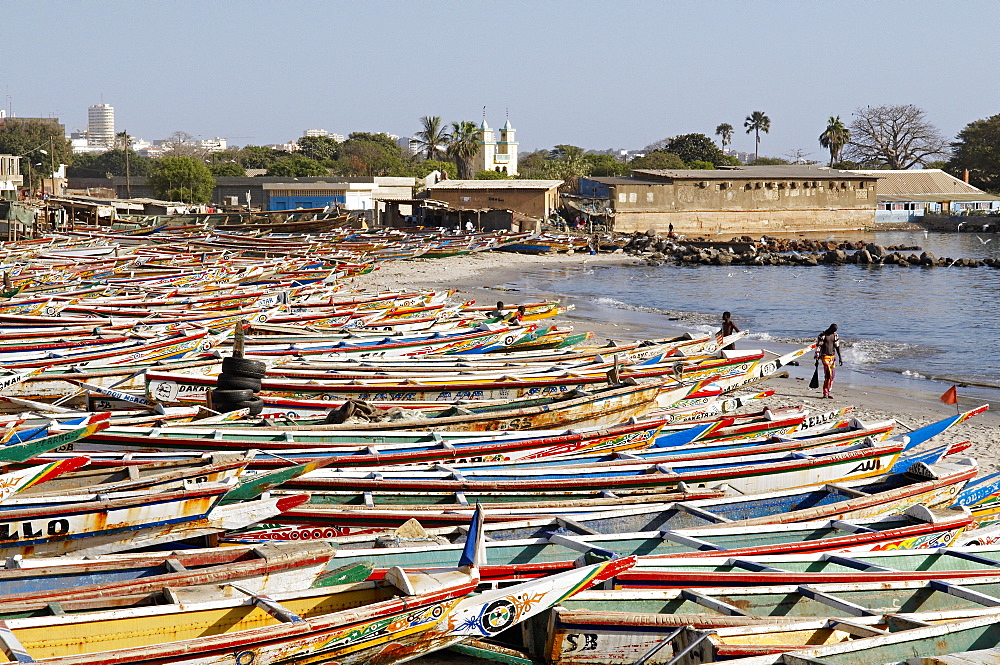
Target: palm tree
{"points": [[725, 130], [757, 122], [463, 145], [432, 136], [835, 137]]}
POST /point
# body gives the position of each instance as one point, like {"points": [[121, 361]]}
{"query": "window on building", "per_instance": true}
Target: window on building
{"points": [[632, 197], [649, 197], [621, 197]]}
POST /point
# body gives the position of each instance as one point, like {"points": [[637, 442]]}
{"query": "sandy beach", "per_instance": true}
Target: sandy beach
{"points": [[491, 276]]}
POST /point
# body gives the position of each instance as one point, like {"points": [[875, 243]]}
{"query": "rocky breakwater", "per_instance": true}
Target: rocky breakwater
{"points": [[656, 250]]}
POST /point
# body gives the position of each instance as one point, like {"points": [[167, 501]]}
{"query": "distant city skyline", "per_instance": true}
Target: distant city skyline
{"points": [[593, 74]]}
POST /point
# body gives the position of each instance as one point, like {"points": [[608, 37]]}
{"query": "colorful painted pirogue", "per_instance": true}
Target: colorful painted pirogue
{"points": [[404, 615], [137, 317]]}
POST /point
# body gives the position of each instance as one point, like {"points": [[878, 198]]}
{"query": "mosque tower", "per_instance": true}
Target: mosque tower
{"points": [[496, 155]]}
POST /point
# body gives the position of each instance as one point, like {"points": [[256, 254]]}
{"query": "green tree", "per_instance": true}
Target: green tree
{"points": [[725, 132], [319, 148], [569, 164], [109, 164], [258, 156], [227, 170], [536, 165], [757, 122], [658, 159], [977, 148], [181, 179], [40, 144], [433, 137], [769, 161], [423, 168], [487, 174], [463, 146], [834, 138], [297, 166], [700, 164], [370, 155], [380, 138], [605, 166], [729, 160], [694, 147]]}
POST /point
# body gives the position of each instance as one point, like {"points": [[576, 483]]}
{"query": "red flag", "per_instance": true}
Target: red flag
{"points": [[950, 396]]}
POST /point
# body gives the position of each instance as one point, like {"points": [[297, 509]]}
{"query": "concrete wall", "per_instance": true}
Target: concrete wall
{"points": [[532, 202], [744, 206]]}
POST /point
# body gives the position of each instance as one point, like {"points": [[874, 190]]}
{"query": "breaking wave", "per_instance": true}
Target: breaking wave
{"points": [[872, 352], [618, 304]]}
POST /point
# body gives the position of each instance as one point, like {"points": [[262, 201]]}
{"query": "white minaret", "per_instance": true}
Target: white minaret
{"points": [[506, 151], [487, 148], [101, 125]]}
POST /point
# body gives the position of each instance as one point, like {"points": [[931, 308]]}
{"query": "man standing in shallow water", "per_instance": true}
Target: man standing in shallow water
{"points": [[728, 328], [828, 351]]}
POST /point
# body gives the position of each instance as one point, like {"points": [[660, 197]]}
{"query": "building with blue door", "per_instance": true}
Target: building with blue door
{"points": [[346, 195]]}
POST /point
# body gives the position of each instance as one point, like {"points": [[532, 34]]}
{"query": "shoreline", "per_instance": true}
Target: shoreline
{"points": [[491, 276]]}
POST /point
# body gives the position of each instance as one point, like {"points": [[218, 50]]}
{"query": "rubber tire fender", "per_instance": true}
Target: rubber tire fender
{"points": [[243, 367], [256, 405], [231, 396], [237, 382]]}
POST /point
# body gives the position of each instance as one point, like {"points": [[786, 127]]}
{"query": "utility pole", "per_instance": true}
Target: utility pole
{"points": [[128, 173], [52, 165]]}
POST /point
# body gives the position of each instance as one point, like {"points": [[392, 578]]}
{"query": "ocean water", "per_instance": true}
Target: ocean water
{"points": [[897, 324]]}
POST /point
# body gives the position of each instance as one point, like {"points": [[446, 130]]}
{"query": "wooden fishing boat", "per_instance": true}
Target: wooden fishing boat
{"points": [[934, 486], [405, 615], [867, 641], [533, 557], [764, 441], [104, 525], [160, 476], [20, 480], [620, 626], [171, 347], [22, 446], [750, 479], [368, 448], [29, 585], [603, 407]]}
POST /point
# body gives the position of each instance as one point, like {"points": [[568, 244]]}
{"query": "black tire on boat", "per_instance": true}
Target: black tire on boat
{"points": [[256, 405], [220, 397], [238, 382], [243, 367]]}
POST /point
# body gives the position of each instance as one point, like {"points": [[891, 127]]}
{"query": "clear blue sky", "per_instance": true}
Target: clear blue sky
{"points": [[588, 73]]}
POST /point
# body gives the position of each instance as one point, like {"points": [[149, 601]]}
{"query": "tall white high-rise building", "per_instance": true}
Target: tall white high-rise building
{"points": [[101, 125]]}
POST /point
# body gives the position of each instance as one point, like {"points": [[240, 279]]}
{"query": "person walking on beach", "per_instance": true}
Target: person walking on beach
{"points": [[728, 328], [828, 352]]}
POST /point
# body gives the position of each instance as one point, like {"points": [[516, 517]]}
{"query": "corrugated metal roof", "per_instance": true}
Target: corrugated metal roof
{"points": [[938, 198], [925, 181], [496, 184], [620, 180], [757, 172]]}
